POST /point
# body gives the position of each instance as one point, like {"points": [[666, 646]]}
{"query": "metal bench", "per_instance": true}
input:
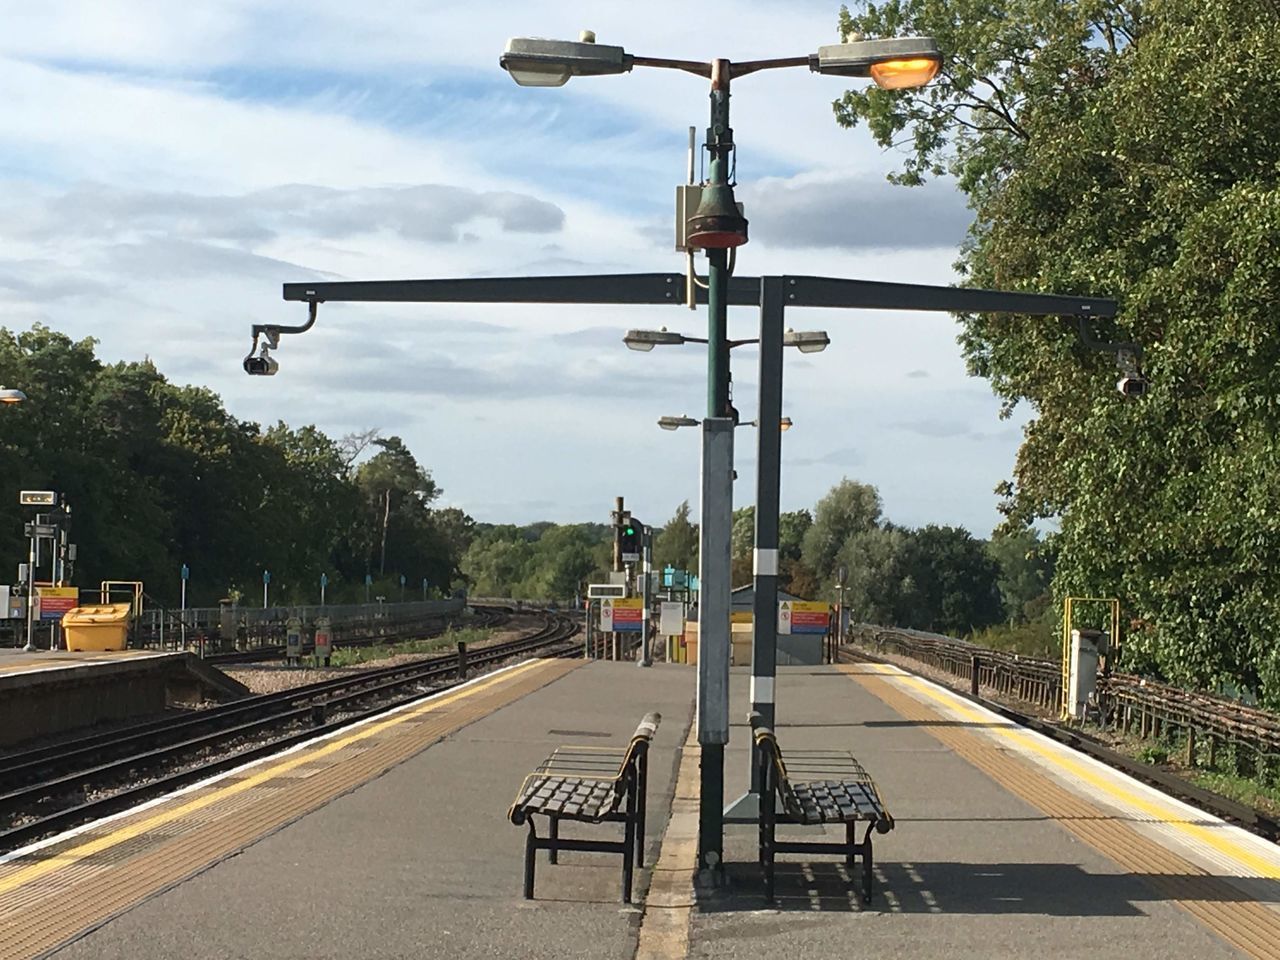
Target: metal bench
{"points": [[588, 785], [816, 787]]}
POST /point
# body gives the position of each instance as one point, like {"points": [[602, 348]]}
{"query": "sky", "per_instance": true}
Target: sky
{"points": [[165, 167]]}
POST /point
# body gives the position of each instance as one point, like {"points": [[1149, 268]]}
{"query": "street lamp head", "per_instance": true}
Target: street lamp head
{"points": [[646, 340], [894, 64], [675, 423], [534, 62], [806, 341], [9, 395], [717, 224], [784, 424]]}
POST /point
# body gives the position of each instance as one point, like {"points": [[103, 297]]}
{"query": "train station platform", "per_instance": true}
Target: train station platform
{"points": [[390, 839], [50, 692], [385, 839], [1006, 844]]}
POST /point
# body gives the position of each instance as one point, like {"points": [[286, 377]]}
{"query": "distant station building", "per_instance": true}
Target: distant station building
{"points": [[800, 647]]}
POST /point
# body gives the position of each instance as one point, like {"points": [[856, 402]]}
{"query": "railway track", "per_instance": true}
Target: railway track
{"points": [[48, 789]]}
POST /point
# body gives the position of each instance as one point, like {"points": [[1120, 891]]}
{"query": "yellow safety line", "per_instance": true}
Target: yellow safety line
{"points": [[1259, 865], [129, 831]]}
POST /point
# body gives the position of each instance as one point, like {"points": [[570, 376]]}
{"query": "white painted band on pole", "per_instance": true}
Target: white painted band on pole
{"points": [[762, 689], [766, 562]]}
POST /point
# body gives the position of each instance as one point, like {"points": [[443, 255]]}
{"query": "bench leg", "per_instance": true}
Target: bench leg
{"points": [[867, 864], [553, 854], [530, 859], [628, 856], [642, 789], [851, 838]]}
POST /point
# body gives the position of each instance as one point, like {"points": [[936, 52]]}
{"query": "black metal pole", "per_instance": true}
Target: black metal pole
{"points": [[764, 643]]}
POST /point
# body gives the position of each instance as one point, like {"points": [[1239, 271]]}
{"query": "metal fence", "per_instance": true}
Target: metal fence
{"points": [[1195, 730], [255, 626]]}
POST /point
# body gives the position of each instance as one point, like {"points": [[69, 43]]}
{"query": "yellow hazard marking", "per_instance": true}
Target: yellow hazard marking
{"points": [[130, 830], [1116, 791]]}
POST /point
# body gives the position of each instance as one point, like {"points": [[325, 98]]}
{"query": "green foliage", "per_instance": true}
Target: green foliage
{"points": [[1025, 563], [1154, 753], [1139, 158], [159, 475], [677, 544], [543, 561], [1035, 638]]}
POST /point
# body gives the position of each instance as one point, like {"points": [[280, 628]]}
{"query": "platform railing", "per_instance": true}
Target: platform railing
{"points": [[1191, 728]]}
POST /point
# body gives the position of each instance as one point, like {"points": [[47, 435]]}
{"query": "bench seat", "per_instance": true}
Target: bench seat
{"points": [[815, 788], [588, 785]]}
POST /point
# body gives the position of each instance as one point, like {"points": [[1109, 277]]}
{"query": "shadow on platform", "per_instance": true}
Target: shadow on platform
{"points": [[1048, 889]]}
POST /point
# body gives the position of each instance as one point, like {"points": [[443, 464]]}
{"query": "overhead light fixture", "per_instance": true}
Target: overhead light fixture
{"points": [[785, 424], [806, 341], [646, 340], [894, 64], [675, 423], [10, 395], [534, 62]]}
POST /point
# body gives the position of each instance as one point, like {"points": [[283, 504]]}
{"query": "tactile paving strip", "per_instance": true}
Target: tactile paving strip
{"points": [[61, 891], [1251, 927]]}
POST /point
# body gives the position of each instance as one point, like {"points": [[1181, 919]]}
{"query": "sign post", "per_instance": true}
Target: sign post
{"points": [[368, 582], [293, 640], [324, 641], [182, 620], [425, 585], [324, 582]]}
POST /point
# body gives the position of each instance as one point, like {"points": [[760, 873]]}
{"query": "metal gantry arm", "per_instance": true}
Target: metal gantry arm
{"points": [[624, 289]]}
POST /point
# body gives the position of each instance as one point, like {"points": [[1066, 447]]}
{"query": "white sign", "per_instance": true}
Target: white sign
{"points": [[671, 619], [606, 616], [784, 618]]}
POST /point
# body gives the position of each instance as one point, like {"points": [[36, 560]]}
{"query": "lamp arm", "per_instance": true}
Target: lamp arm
{"points": [[1128, 355], [271, 332]]}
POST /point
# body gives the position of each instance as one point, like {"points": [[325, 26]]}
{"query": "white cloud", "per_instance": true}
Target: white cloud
{"points": [[167, 166]]}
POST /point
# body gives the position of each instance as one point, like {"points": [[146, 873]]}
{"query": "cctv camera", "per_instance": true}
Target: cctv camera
{"points": [[262, 366], [1132, 386]]}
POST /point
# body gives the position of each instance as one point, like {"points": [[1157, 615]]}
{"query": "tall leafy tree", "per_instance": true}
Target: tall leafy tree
{"points": [[848, 509], [1131, 149], [677, 544]]}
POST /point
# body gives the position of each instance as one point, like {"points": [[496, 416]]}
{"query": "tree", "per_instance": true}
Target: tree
{"points": [[1138, 156], [742, 546], [849, 508], [677, 544], [878, 588], [1025, 563], [953, 581], [793, 576]]}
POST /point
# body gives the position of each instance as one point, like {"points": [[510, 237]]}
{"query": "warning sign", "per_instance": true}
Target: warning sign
{"points": [[55, 601], [628, 614], [784, 618], [810, 616]]}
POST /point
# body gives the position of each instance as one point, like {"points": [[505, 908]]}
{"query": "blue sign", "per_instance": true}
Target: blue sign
{"points": [[368, 579], [324, 579], [402, 579], [186, 572], [266, 576]]}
